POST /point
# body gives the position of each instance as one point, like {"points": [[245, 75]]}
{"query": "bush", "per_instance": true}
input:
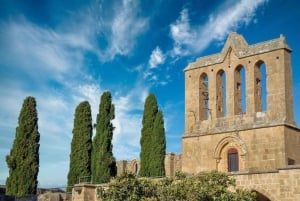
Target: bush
{"points": [[213, 186]]}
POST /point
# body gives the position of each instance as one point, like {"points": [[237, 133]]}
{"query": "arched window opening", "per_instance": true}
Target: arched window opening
{"points": [[136, 169], [221, 94], [260, 87], [233, 160], [204, 97], [261, 197], [240, 90], [291, 161]]}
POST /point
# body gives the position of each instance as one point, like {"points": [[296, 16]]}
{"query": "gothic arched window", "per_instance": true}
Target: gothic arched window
{"points": [[221, 94], [203, 97], [260, 86], [240, 90]]}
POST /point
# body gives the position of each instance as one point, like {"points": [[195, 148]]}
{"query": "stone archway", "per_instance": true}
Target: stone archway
{"points": [[134, 167], [226, 143], [262, 195]]}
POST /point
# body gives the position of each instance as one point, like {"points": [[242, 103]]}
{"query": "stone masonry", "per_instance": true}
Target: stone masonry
{"points": [[172, 165], [255, 140]]}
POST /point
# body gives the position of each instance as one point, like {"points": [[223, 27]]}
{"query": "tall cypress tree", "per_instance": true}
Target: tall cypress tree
{"points": [[103, 161], [81, 145], [152, 140], [23, 160], [159, 146]]}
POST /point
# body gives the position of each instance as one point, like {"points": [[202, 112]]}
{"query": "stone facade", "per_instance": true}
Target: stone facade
{"points": [[277, 185], [251, 136], [86, 192], [172, 165]]}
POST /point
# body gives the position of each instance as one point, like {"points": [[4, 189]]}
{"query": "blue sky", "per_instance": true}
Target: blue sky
{"points": [[64, 52]]}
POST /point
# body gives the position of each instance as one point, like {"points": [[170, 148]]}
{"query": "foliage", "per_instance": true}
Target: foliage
{"points": [[127, 187], [213, 186], [103, 162], [153, 143], [23, 160], [159, 146], [81, 145]]}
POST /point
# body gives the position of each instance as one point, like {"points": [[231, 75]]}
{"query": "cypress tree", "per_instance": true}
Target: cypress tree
{"points": [[159, 146], [103, 161], [152, 140], [81, 145], [23, 160]]}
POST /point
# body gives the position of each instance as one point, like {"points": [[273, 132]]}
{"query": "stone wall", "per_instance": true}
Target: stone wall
{"points": [[172, 165], [265, 148], [275, 54], [279, 185], [132, 166], [85, 192]]}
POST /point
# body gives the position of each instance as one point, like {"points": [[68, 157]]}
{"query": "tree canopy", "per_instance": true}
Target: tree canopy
{"points": [[23, 160], [153, 142], [81, 145], [103, 161]]}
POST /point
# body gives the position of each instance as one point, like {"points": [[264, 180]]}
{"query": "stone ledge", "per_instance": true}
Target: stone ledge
{"points": [[250, 172], [253, 172], [245, 127]]}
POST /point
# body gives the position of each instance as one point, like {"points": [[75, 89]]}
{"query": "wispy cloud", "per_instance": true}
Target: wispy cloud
{"points": [[128, 121], [156, 58], [182, 34], [123, 29], [228, 18], [42, 62]]}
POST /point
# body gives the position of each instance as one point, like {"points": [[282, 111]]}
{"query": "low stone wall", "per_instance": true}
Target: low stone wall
{"points": [[86, 192], [278, 185]]}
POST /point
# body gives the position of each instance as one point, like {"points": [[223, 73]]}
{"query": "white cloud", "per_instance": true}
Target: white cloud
{"points": [[182, 33], [128, 122], [41, 53], [125, 27], [156, 58], [88, 92], [228, 18], [34, 57]]}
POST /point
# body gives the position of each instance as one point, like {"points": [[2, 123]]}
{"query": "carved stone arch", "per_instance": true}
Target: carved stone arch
{"points": [[262, 192], [259, 62], [134, 166], [228, 142], [224, 141]]}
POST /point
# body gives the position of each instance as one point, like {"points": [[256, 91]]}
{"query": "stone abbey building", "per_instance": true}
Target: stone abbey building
{"points": [[239, 119]]}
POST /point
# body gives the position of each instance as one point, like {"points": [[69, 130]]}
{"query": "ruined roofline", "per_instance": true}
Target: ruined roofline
{"points": [[241, 49]]}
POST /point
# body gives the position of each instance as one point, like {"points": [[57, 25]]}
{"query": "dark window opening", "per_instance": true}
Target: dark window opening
{"points": [[260, 87], [203, 97], [291, 161], [233, 160], [221, 94], [240, 90]]}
